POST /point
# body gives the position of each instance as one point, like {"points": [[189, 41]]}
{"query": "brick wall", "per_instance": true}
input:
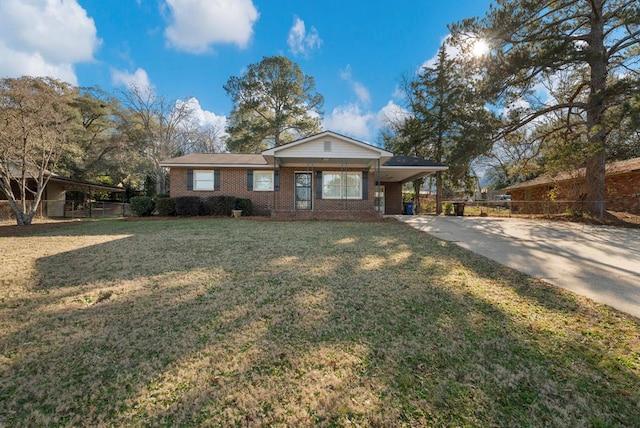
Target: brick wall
{"points": [[233, 182], [623, 194], [285, 199], [393, 198]]}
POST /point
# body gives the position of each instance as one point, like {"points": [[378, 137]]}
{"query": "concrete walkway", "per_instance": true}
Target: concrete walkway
{"points": [[600, 262]]}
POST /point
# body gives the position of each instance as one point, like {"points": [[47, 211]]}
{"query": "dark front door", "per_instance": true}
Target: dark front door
{"points": [[303, 190]]}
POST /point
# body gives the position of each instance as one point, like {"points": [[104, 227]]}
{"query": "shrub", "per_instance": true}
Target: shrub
{"points": [[166, 206], [448, 208], [188, 206], [219, 205], [142, 206], [211, 206], [246, 205], [226, 204]]}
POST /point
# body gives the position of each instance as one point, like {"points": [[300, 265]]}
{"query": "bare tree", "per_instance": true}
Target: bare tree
{"points": [[159, 123], [36, 126]]}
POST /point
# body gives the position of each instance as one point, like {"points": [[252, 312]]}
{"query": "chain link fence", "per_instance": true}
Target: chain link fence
{"points": [[505, 207], [72, 209]]}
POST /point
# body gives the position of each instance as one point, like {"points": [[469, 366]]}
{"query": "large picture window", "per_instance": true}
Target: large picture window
{"points": [[203, 180], [263, 180], [341, 185]]}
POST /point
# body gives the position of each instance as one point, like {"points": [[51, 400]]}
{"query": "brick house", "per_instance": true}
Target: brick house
{"points": [[324, 176], [547, 194]]}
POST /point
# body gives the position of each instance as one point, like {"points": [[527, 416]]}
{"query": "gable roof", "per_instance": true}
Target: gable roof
{"points": [[377, 152], [613, 168], [325, 150]]}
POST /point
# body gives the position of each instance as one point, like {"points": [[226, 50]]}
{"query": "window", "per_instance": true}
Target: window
{"points": [[263, 180], [203, 180], [341, 185]]}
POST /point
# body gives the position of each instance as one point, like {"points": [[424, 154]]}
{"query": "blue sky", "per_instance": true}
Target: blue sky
{"points": [[357, 50]]}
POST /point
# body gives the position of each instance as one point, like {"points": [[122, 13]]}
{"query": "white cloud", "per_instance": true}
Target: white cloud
{"points": [[392, 113], [351, 121], [300, 42], [362, 93], [204, 118], [45, 38], [138, 79], [198, 24]]}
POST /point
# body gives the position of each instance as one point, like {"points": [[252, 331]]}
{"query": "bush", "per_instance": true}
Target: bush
{"points": [[142, 206], [246, 205], [219, 205], [226, 204], [166, 207], [188, 206], [448, 208], [210, 205]]}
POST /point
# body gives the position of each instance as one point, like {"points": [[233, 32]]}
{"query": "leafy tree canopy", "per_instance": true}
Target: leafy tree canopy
{"points": [[274, 103], [562, 62]]}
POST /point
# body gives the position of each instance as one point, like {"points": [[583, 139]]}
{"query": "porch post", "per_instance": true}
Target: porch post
{"points": [[275, 197], [377, 194]]}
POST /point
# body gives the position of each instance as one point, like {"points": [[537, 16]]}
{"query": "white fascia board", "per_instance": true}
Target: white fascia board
{"points": [[214, 165]]}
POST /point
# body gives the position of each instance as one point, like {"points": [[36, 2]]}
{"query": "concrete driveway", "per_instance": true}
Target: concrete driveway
{"points": [[600, 262]]}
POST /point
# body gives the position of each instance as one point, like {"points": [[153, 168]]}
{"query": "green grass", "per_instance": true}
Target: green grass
{"points": [[222, 322]]}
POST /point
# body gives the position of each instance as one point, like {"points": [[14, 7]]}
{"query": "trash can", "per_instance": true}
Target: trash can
{"points": [[458, 208], [408, 208]]}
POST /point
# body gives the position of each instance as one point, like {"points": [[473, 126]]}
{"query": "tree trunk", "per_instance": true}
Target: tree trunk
{"points": [[439, 193], [417, 185], [595, 165], [596, 184]]}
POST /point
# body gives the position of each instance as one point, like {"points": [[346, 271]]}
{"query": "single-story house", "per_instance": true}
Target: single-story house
{"points": [[567, 190], [323, 176], [54, 195]]}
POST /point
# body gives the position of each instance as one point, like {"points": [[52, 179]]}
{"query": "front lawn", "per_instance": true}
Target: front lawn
{"points": [[223, 322]]}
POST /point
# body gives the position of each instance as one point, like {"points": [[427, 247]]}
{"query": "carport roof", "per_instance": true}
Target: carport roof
{"points": [[403, 169], [411, 161]]}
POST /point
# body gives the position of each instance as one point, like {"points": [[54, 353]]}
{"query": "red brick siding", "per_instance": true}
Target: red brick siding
{"points": [[285, 199], [393, 198], [233, 182], [623, 194]]}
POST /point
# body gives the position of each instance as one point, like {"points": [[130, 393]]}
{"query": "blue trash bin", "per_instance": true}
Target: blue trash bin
{"points": [[408, 208]]}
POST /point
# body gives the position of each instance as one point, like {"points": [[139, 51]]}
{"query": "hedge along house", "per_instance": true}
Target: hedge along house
{"points": [[566, 191], [324, 176]]}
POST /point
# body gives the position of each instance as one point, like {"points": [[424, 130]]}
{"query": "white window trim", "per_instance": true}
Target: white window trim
{"points": [[343, 175], [196, 182], [256, 188]]}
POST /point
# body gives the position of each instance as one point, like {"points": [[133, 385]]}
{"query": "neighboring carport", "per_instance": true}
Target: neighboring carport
{"points": [[54, 198]]}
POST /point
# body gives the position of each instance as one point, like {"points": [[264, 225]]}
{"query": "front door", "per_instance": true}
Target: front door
{"points": [[303, 188]]}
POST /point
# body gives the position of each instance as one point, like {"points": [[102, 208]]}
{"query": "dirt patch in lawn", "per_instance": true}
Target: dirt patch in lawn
{"points": [[10, 228]]}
